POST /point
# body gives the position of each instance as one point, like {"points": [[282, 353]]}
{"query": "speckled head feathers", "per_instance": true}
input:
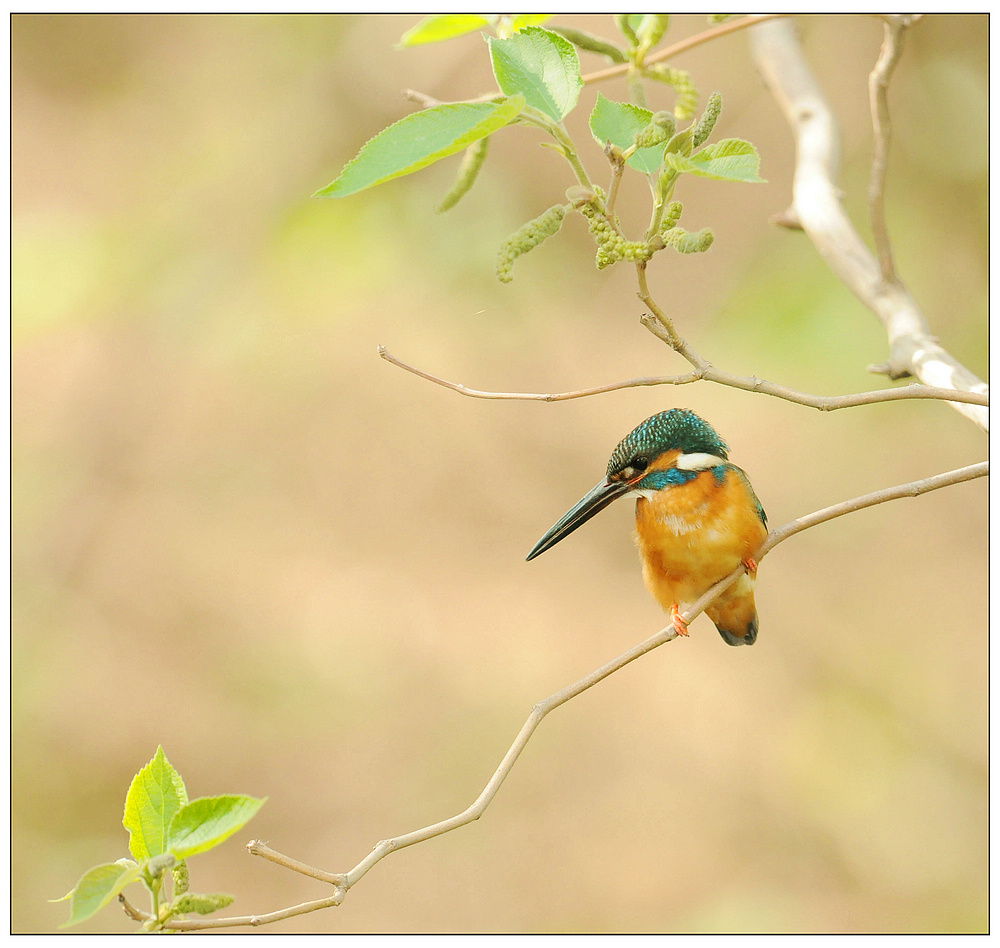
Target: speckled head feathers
{"points": [[677, 428]]}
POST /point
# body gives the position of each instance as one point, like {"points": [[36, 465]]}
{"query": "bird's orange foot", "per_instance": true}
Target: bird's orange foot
{"points": [[751, 564], [680, 626]]}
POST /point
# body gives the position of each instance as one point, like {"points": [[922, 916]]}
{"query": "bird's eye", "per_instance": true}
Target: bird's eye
{"points": [[639, 464]]}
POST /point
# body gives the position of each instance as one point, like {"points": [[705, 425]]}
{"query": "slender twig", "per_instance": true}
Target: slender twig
{"points": [[710, 374], [617, 162], [257, 847], [344, 881], [137, 915], [878, 94], [912, 489], [658, 323], [253, 921], [816, 204], [669, 52]]}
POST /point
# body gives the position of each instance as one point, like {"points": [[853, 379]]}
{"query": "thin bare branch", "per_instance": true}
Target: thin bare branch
{"points": [[424, 100], [536, 397], [709, 374], [817, 206], [617, 162], [912, 489], [344, 881], [878, 94], [669, 52], [257, 847], [662, 326], [254, 921], [137, 915]]}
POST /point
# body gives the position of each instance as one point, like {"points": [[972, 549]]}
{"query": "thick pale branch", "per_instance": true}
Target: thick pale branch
{"points": [[817, 207], [709, 374], [343, 881]]}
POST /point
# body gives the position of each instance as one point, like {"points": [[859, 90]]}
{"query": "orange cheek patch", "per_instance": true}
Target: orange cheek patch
{"points": [[665, 461]]}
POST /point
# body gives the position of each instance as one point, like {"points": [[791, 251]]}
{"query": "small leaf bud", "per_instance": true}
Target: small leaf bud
{"points": [[578, 195]]}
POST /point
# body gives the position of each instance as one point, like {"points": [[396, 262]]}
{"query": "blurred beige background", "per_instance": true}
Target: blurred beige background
{"points": [[239, 533]]}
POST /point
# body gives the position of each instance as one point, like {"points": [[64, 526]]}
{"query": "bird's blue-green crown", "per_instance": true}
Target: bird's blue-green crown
{"points": [[677, 428]]}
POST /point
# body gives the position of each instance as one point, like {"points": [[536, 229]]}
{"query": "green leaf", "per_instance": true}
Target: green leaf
{"points": [[619, 122], [434, 29], [540, 65], [157, 792], [208, 821], [732, 159], [97, 887], [419, 140]]}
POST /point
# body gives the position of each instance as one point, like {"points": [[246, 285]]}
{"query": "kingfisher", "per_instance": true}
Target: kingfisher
{"points": [[697, 518]]}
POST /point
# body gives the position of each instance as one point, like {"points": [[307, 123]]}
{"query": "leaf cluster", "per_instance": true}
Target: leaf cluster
{"points": [[538, 73], [165, 830]]}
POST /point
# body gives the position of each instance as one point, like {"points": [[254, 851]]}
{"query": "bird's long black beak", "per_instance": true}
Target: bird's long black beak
{"points": [[594, 502]]}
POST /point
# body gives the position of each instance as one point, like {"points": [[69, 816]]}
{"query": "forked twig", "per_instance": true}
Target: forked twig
{"points": [[878, 95], [816, 205]]}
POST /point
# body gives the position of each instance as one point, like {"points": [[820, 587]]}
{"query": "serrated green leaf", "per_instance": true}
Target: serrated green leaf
{"points": [[208, 821], [419, 140], [540, 65], [97, 887], [157, 792], [732, 159], [445, 26], [619, 122]]}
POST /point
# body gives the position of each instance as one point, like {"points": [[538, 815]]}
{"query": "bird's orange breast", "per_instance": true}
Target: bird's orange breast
{"points": [[694, 534]]}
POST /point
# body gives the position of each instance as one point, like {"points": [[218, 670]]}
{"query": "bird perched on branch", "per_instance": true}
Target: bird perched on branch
{"points": [[697, 518]]}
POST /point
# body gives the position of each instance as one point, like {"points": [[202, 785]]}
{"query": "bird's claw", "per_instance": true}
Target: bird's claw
{"points": [[679, 623]]}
